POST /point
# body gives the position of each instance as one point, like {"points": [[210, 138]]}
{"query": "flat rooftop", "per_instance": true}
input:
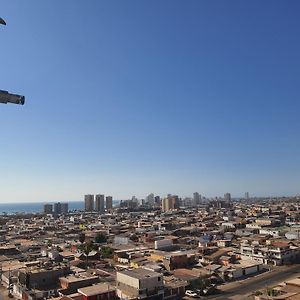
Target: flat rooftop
{"points": [[73, 278], [141, 273], [96, 289]]}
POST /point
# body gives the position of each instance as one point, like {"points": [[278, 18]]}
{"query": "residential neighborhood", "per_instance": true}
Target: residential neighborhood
{"points": [[168, 248]]}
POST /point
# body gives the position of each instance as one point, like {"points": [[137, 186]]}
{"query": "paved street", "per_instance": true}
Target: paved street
{"points": [[243, 289]]}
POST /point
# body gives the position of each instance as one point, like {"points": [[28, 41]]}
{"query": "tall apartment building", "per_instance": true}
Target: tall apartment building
{"points": [[99, 203], [48, 208], [227, 197], [57, 208], [109, 202], [157, 200], [196, 198], [150, 199], [170, 203], [89, 202], [64, 208]]}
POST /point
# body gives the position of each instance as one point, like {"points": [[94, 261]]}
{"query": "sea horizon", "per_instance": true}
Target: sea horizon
{"points": [[38, 207]]}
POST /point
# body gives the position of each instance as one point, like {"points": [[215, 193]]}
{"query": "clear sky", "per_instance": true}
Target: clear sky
{"points": [[132, 97]]}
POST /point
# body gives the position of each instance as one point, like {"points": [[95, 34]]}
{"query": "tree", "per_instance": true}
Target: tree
{"points": [[87, 248], [100, 238], [82, 237], [106, 252], [134, 237]]}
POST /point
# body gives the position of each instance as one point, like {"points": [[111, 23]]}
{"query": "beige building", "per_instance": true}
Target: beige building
{"points": [[140, 284], [170, 203]]}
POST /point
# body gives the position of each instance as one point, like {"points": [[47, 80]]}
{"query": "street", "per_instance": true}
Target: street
{"points": [[245, 288]]}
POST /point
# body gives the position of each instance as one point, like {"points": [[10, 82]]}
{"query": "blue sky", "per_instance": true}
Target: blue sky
{"points": [[132, 97]]}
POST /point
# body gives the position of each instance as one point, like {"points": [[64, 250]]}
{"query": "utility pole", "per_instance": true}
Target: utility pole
{"points": [[9, 282]]}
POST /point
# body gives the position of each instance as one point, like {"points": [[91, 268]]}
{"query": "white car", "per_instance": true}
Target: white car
{"points": [[191, 294]]}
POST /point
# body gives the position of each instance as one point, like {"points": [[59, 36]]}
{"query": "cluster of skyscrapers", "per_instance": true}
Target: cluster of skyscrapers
{"points": [[56, 208], [98, 203]]}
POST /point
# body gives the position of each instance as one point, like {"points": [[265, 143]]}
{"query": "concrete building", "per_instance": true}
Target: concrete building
{"points": [[48, 208], [64, 208], [99, 203], [150, 199], [171, 260], [40, 278], [102, 291], [196, 198], [227, 197], [170, 203], [109, 202], [164, 244], [71, 283], [57, 208], [140, 284], [277, 253], [89, 202], [157, 200]]}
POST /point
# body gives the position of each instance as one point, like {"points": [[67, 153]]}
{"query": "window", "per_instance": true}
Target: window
{"points": [[159, 278]]}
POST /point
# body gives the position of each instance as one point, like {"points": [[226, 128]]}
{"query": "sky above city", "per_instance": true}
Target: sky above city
{"points": [[133, 97]]}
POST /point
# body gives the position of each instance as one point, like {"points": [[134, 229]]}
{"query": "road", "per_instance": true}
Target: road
{"points": [[237, 290], [245, 288]]}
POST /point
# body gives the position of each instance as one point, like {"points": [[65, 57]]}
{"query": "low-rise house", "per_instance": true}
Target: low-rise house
{"points": [[140, 284], [99, 291], [40, 278], [174, 287], [175, 259], [72, 283], [191, 275], [240, 269], [275, 253], [214, 257]]}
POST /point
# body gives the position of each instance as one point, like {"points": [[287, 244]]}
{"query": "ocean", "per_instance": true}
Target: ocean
{"points": [[37, 207]]}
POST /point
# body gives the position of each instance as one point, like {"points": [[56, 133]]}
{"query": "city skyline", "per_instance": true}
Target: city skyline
{"points": [[127, 97], [162, 196]]}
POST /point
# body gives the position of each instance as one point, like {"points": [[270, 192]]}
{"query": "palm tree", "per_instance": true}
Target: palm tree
{"points": [[81, 237]]}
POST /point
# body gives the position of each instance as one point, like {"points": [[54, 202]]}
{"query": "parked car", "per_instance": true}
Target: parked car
{"points": [[191, 293]]}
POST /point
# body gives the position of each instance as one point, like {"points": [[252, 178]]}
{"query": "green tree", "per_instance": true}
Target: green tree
{"points": [[106, 252], [82, 237], [86, 249], [100, 238]]}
